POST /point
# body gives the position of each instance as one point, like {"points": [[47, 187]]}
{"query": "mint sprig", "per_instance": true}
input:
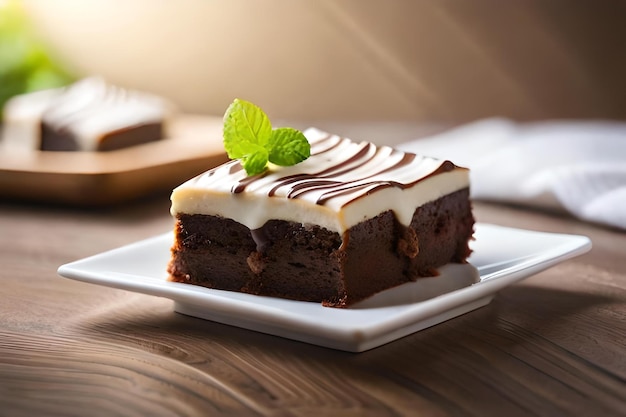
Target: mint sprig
{"points": [[249, 137]]}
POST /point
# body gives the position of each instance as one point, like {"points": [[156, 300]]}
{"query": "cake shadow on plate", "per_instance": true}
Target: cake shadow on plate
{"points": [[451, 277]]}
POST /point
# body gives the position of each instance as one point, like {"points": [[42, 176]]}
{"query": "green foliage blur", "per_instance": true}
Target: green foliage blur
{"points": [[25, 65]]}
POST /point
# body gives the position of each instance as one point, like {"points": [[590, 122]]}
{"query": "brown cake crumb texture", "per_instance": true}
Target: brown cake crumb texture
{"points": [[310, 263]]}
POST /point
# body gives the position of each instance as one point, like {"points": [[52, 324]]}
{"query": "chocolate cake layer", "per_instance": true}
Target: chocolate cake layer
{"points": [[65, 140], [311, 263]]}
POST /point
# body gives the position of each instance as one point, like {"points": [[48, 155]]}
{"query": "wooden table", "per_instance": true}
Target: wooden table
{"points": [[552, 345]]}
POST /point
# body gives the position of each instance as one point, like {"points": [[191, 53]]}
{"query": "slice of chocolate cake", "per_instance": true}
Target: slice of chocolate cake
{"points": [[352, 220], [89, 115]]}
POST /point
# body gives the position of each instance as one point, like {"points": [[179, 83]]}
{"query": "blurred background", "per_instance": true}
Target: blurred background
{"points": [[437, 61]]}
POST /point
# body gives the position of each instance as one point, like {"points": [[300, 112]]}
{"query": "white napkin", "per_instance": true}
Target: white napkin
{"points": [[579, 167]]}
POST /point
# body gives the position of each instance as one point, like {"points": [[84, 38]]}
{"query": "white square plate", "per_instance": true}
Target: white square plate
{"points": [[501, 257]]}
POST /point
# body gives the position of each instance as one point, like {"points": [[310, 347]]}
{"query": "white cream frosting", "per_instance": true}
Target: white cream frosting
{"points": [[339, 186]]}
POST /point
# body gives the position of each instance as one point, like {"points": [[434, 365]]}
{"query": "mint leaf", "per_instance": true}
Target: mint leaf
{"points": [[248, 136], [245, 124], [288, 146], [255, 161]]}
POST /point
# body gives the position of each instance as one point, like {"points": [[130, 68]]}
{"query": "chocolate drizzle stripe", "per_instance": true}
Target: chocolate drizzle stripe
{"points": [[340, 192], [281, 182], [294, 179], [241, 185], [313, 183], [323, 141], [360, 154]]}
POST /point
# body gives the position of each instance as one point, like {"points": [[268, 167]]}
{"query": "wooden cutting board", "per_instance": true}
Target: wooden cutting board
{"points": [[103, 178]]}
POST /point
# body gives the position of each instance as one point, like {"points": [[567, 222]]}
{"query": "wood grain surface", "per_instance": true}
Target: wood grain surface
{"points": [[553, 345]]}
